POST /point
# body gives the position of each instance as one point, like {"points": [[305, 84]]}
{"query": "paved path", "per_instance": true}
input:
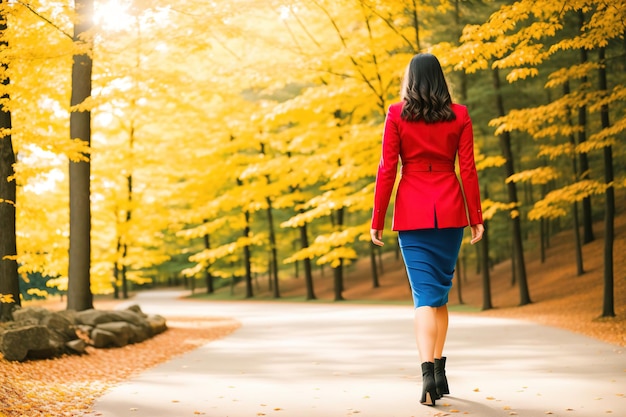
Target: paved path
{"points": [[334, 360]]}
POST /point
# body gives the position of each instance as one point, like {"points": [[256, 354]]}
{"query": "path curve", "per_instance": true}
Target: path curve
{"points": [[335, 360]]}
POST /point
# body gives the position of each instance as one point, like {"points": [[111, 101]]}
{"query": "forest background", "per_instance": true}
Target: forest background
{"points": [[143, 141]]}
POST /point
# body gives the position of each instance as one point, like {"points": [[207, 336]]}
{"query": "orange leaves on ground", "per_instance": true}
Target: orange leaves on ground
{"points": [[70, 384]]}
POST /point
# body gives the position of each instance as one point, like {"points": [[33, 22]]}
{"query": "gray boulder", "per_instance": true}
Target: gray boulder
{"points": [[101, 338], [30, 314], [77, 346], [157, 324], [120, 329], [61, 323], [39, 333], [136, 309], [93, 317], [16, 344]]}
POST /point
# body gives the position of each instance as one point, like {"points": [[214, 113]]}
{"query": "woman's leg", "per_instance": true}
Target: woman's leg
{"points": [[426, 332], [426, 336], [440, 361], [442, 330], [431, 329]]}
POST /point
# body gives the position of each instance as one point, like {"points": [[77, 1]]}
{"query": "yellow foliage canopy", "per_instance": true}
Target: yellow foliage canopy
{"points": [[540, 175], [555, 203]]}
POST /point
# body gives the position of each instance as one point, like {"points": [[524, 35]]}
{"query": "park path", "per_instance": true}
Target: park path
{"points": [[334, 360]]}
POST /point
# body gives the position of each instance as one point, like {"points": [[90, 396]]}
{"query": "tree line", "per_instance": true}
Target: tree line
{"points": [[222, 141]]}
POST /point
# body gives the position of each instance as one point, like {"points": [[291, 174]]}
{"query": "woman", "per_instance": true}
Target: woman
{"points": [[426, 131]]}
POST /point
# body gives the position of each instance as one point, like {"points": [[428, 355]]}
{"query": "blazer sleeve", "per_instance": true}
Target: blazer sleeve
{"points": [[469, 177], [387, 168]]}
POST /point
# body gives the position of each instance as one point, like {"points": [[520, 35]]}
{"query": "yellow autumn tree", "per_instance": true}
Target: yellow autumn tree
{"points": [[533, 39]]}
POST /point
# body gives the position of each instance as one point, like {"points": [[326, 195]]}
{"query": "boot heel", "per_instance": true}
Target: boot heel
{"points": [[441, 381], [429, 389]]}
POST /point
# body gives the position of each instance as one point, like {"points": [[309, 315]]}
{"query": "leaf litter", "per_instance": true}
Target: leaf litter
{"points": [[70, 384]]}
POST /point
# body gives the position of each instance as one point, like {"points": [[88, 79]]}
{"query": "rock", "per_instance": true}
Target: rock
{"points": [[77, 345], [120, 329], [45, 353], [94, 317], [136, 309], [39, 333], [141, 333], [157, 324], [61, 323], [30, 314], [101, 338], [16, 344]]}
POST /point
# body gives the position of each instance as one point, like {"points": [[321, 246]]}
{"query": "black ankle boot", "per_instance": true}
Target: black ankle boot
{"points": [[429, 389], [440, 377]]}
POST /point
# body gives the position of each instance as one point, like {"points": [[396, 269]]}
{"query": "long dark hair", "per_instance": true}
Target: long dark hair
{"points": [[425, 91]]}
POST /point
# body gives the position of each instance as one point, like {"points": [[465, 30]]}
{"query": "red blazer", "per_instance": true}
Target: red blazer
{"points": [[429, 194]]}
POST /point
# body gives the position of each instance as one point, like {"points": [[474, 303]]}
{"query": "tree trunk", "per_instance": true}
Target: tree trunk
{"points": [[338, 281], [308, 273], [117, 272], [582, 137], [247, 258], [375, 282], [416, 26], [379, 252], [129, 215], [79, 296], [207, 272], [338, 270], [542, 239], [608, 304], [9, 278], [274, 253], [513, 265], [518, 249], [577, 241], [484, 258]]}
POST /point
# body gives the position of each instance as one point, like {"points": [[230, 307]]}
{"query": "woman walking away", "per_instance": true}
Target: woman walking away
{"points": [[426, 132]]}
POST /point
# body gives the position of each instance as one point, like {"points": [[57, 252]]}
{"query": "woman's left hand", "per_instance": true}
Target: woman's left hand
{"points": [[477, 233], [377, 236]]}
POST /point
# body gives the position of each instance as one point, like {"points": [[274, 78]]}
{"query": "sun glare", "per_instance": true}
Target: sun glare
{"points": [[45, 181], [113, 15]]}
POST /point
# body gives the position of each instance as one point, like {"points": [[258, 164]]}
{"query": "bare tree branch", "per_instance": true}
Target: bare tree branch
{"points": [[45, 19]]}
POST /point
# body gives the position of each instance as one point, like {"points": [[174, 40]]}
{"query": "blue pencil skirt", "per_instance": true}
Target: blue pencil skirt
{"points": [[430, 257]]}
